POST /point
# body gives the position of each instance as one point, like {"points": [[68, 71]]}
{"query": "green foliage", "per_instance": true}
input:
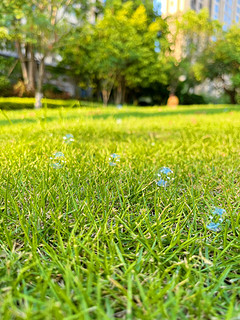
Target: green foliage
{"points": [[39, 30], [221, 61], [190, 99], [5, 86], [44, 24], [90, 241], [119, 50], [3, 33], [190, 35]]}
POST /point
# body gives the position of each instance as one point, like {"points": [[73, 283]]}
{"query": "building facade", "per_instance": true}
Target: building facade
{"points": [[226, 11]]}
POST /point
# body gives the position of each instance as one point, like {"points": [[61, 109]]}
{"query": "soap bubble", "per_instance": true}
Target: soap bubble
{"points": [[68, 138], [164, 176], [58, 155], [57, 160], [165, 170], [162, 183], [219, 211], [114, 158], [217, 214], [214, 226], [216, 219], [119, 106], [56, 165]]}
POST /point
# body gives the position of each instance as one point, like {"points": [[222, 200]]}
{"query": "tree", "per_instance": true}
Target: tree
{"points": [[38, 29], [190, 35], [120, 49], [221, 62]]}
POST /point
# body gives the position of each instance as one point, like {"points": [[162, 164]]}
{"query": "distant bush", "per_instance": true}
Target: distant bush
{"points": [[188, 99], [16, 103], [5, 86], [53, 92]]}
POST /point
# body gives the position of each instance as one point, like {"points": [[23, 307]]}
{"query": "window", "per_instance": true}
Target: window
{"points": [[193, 4]]}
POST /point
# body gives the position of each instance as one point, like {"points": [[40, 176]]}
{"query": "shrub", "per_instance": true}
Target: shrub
{"points": [[5, 86], [53, 92], [28, 103], [188, 99]]}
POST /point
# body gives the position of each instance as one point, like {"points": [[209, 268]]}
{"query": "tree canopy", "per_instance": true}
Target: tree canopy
{"points": [[119, 48]]}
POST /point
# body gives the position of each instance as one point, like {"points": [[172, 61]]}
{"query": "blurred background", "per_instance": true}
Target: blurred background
{"points": [[121, 52]]}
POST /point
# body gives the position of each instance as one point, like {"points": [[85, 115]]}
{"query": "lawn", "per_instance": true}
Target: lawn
{"points": [[89, 240]]}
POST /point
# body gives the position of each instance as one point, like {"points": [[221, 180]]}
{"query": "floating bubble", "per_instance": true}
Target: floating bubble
{"points": [[68, 138], [216, 219], [217, 214], [164, 176], [165, 170], [162, 183], [56, 165], [58, 155], [114, 158], [119, 106], [214, 226], [58, 160], [219, 211]]}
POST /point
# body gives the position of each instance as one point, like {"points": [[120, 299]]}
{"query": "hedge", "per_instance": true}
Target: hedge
{"points": [[15, 103]]}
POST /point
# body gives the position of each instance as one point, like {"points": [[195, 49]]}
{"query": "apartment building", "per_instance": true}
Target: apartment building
{"points": [[226, 11]]}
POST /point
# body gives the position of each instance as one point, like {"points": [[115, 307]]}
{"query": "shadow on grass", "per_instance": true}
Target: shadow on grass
{"points": [[5, 122], [103, 114], [139, 114]]}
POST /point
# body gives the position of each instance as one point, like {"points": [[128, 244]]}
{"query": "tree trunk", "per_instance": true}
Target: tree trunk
{"points": [[31, 70], [232, 95], [123, 91], [27, 66], [106, 90], [76, 88], [118, 96], [105, 95], [120, 92], [23, 64], [39, 94]]}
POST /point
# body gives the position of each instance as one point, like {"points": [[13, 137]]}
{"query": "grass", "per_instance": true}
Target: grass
{"points": [[92, 241]]}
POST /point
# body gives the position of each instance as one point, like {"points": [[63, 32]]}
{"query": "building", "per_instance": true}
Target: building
{"points": [[226, 11]]}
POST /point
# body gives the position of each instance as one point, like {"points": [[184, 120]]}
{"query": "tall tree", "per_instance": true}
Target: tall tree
{"points": [[39, 29], [121, 49]]}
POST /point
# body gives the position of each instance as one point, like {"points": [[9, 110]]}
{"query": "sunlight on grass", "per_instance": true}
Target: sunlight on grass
{"points": [[91, 241]]}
